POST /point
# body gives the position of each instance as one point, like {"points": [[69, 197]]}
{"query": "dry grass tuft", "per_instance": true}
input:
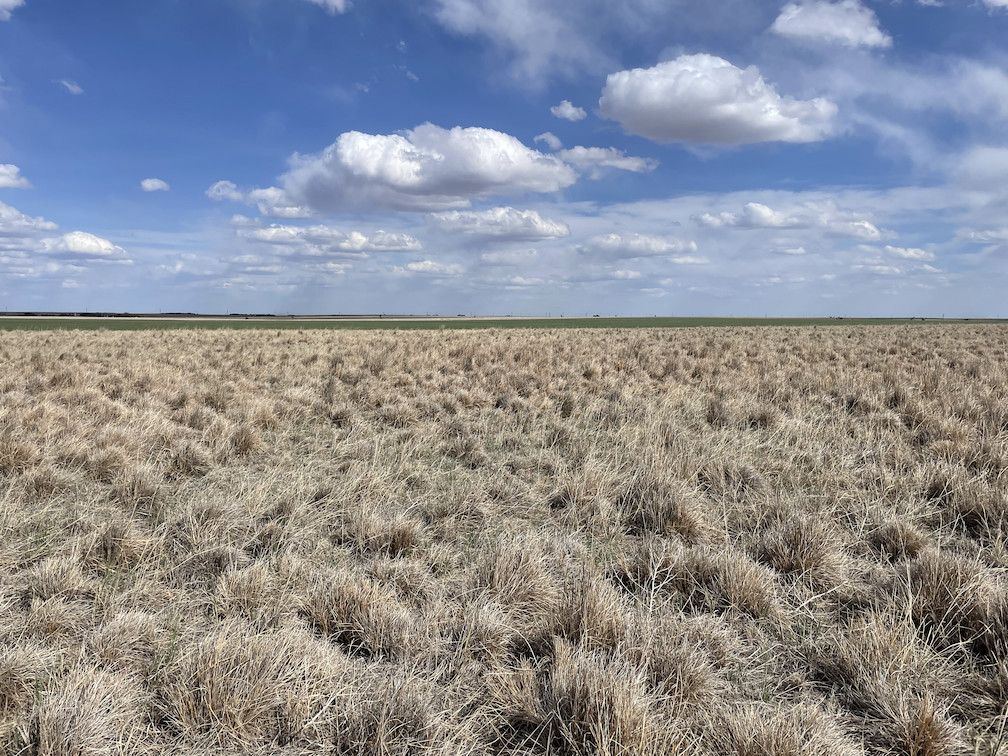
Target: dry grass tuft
{"points": [[806, 547], [702, 579], [91, 712], [362, 617]]}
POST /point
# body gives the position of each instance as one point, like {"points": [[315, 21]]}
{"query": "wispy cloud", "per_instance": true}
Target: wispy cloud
{"points": [[71, 86]]}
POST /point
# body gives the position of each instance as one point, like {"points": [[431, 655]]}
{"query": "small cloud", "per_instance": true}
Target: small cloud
{"points": [[69, 284], [593, 159], [510, 257], [501, 223], [271, 201], [401, 46], [909, 253], [834, 220], [568, 111], [243, 221], [6, 6], [431, 268], [846, 22], [154, 185], [71, 86], [987, 236], [334, 6], [636, 246], [11, 178], [550, 139], [318, 240]]}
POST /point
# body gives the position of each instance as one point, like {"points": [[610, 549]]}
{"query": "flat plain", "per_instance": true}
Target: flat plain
{"points": [[758, 541], [308, 322]]}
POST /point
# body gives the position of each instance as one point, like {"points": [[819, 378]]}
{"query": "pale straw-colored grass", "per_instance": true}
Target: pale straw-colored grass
{"points": [[768, 541]]}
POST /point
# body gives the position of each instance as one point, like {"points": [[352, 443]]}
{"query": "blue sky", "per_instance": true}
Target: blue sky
{"points": [[814, 157]]}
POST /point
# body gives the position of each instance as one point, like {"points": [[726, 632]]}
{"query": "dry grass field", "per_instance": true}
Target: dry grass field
{"points": [[759, 542]]}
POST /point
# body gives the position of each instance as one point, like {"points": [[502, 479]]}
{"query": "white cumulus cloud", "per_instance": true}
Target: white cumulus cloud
{"points": [[753, 215], [501, 223], [704, 99], [11, 178], [430, 267], [6, 6], [427, 168], [271, 201], [568, 111], [826, 217], [846, 22], [80, 244], [320, 240], [154, 185], [633, 246], [14, 224]]}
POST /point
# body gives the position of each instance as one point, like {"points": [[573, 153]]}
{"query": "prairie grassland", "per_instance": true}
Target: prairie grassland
{"points": [[766, 542]]}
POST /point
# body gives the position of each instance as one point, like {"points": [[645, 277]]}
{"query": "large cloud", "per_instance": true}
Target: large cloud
{"points": [[6, 6], [11, 178], [704, 99], [501, 223], [427, 168], [846, 22], [824, 216]]}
